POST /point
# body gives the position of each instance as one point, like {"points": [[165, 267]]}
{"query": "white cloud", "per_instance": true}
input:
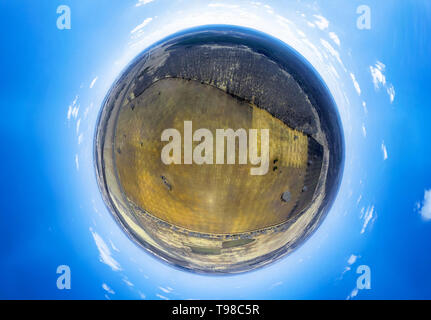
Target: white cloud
{"points": [[333, 52], [276, 284], [364, 130], [391, 92], [161, 297], [379, 80], [268, 9], [166, 290], [355, 84], [353, 294], [141, 295], [105, 253], [333, 70], [301, 33], [86, 112], [107, 288], [256, 3], [73, 109], [93, 82], [113, 246], [142, 2], [334, 38], [385, 151], [77, 162], [126, 281], [364, 105], [352, 259], [322, 23], [80, 137], [369, 216], [346, 269], [223, 5], [425, 211], [142, 25]]}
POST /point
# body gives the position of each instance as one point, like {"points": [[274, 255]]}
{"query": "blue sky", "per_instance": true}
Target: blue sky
{"points": [[53, 84]]}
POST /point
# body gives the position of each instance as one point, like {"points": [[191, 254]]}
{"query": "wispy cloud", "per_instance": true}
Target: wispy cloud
{"points": [[425, 207], [368, 216], [166, 290], [321, 22], [223, 5], [333, 52], [384, 151], [107, 288], [364, 106], [73, 109], [352, 259], [379, 80], [364, 130], [142, 25], [105, 254], [142, 2], [141, 295], [355, 84], [127, 281], [353, 294], [80, 137], [391, 92], [276, 284], [335, 38], [78, 123], [113, 246], [93, 82], [77, 162], [269, 9]]}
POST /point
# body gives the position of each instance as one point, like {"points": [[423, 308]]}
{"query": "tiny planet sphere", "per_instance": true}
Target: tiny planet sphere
{"points": [[208, 208]]}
